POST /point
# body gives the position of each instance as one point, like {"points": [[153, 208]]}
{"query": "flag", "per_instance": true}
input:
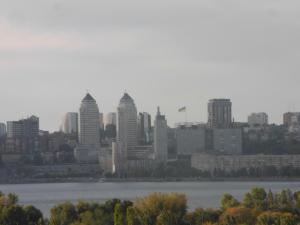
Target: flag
{"points": [[183, 109]]}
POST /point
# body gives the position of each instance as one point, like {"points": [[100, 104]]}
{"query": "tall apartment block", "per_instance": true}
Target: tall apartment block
{"points": [[219, 113]]}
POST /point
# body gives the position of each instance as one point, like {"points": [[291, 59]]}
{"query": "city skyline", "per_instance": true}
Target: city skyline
{"points": [[58, 126], [173, 55]]}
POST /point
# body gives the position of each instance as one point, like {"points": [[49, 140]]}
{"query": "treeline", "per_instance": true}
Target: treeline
{"points": [[257, 208]]}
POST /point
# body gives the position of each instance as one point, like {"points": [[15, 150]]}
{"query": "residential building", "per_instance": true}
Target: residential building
{"points": [[227, 141], [231, 163], [190, 139], [291, 118], [258, 119], [219, 113]]}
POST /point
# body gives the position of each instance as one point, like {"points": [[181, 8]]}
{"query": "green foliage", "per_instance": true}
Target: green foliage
{"points": [[256, 198], [228, 201], [63, 214], [166, 209]]}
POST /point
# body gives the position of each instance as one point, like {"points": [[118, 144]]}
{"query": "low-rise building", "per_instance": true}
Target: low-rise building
{"points": [[227, 141], [190, 139], [229, 163]]}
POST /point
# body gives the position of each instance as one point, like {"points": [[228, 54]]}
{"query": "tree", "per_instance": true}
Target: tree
{"points": [[33, 215], [63, 214], [228, 201], [237, 216], [256, 198], [119, 217], [169, 209]]}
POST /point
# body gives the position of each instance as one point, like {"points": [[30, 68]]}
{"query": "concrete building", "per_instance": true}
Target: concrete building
{"points": [[219, 113], [291, 118], [190, 139], [229, 163], [160, 137], [2, 129], [101, 121], [89, 131], [227, 141], [110, 119], [127, 123], [23, 128], [144, 128], [70, 123], [258, 119]]}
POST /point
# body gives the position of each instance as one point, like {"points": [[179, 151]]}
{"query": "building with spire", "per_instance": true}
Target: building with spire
{"points": [[160, 137], [89, 131]]}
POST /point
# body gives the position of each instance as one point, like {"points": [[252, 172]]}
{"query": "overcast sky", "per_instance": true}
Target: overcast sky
{"points": [[163, 52]]}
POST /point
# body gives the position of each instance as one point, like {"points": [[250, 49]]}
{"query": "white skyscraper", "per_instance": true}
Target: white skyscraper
{"points": [[160, 137], [70, 123], [89, 134], [2, 129]]}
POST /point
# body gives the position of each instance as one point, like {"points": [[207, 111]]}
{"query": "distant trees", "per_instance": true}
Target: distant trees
{"points": [[13, 214], [257, 208]]}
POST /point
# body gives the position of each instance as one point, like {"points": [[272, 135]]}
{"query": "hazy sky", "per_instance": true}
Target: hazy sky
{"points": [[163, 52]]}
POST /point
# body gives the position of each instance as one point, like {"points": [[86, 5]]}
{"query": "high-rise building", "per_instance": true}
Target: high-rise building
{"points": [[89, 132], [291, 118], [127, 123], [23, 136], [258, 119], [101, 121], [70, 123], [160, 137], [24, 128], [110, 119], [126, 140], [2, 129], [219, 113], [144, 128]]}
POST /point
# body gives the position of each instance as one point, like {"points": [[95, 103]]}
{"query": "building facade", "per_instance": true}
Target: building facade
{"points": [[144, 128], [70, 123], [227, 141], [127, 123], [160, 138], [89, 131], [219, 113], [2, 129], [258, 119], [190, 139], [291, 118], [230, 163]]}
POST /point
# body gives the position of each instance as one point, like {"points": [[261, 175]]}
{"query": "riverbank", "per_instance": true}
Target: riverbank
{"points": [[131, 180]]}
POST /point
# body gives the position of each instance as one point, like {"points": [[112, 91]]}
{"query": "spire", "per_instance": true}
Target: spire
{"points": [[158, 111]]}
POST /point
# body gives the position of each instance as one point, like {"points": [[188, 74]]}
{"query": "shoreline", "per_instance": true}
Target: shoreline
{"points": [[144, 180]]}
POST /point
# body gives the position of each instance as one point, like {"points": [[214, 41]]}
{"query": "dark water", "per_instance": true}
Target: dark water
{"points": [[199, 194]]}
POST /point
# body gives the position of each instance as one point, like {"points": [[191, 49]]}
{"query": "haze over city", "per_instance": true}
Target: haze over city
{"points": [[163, 53]]}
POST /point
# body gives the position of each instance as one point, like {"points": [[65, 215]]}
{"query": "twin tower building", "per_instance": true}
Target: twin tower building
{"points": [[125, 150]]}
